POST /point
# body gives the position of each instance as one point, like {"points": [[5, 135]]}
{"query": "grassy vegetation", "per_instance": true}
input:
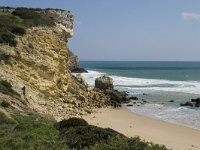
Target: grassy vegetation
{"points": [[29, 133], [10, 26], [17, 22], [6, 88], [35, 132], [32, 18]]}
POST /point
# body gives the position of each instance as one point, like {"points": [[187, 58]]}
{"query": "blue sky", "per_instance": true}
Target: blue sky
{"points": [[135, 30]]}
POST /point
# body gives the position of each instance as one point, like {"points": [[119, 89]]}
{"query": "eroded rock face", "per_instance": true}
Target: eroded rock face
{"points": [[73, 61], [38, 70], [104, 83], [74, 64]]}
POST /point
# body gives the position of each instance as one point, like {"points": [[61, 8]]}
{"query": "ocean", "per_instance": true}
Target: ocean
{"points": [[157, 83]]}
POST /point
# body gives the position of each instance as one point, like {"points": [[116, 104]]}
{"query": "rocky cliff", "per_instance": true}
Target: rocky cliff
{"points": [[38, 70], [73, 61]]}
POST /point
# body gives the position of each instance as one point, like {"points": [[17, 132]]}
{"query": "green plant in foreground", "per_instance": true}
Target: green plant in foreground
{"points": [[28, 132]]}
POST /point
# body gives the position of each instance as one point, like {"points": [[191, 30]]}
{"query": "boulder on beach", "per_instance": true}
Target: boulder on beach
{"points": [[104, 83]]}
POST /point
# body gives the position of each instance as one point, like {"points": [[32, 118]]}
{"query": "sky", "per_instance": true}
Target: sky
{"points": [[130, 30]]}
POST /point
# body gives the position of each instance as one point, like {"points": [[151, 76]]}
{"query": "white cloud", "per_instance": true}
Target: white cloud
{"points": [[190, 16]]}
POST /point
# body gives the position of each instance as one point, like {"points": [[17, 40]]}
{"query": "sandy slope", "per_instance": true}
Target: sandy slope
{"points": [[171, 135]]}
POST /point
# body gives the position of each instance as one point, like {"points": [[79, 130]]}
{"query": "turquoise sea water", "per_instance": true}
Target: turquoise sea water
{"points": [[160, 81]]}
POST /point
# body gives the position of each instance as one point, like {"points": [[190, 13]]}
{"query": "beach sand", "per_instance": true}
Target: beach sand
{"points": [[152, 130]]}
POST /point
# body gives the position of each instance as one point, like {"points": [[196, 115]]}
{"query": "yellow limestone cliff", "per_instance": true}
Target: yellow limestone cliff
{"points": [[38, 70]]}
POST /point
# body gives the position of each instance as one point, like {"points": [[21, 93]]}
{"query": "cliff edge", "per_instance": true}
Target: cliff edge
{"points": [[37, 68]]}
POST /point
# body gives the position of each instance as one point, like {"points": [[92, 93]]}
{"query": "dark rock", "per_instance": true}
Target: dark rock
{"points": [[118, 96], [133, 98], [129, 105], [144, 94], [171, 101], [73, 61], [74, 64], [187, 104], [144, 101], [79, 70], [104, 83], [196, 101]]}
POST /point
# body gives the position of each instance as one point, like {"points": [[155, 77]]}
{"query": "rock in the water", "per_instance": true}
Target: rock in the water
{"points": [[133, 98], [104, 83], [187, 104], [79, 70], [196, 101], [171, 101], [129, 105], [193, 103]]}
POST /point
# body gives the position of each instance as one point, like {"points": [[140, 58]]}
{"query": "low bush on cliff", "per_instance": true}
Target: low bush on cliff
{"points": [[32, 18], [6, 88], [17, 22], [10, 26]]}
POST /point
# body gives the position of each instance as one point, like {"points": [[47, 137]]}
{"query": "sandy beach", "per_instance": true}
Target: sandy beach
{"points": [[173, 136]]}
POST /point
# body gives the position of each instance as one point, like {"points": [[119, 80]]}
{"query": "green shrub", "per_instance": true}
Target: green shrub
{"points": [[33, 18], [85, 136], [8, 38], [6, 88], [36, 132], [72, 122], [4, 120], [29, 132], [17, 22], [5, 104], [9, 26], [18, 30], [6, 84]]}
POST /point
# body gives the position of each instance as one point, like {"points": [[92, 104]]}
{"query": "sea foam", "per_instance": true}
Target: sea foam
{"points": [[157, 107], [146, 85]]}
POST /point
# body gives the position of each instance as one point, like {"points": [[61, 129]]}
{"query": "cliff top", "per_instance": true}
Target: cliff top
{"points": [[15, 21]]}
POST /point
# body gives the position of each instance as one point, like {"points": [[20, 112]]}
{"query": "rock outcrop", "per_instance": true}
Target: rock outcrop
{"points": [[38, 70], [104, 83], [73, 61], [74, 64], [193, 103]]}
